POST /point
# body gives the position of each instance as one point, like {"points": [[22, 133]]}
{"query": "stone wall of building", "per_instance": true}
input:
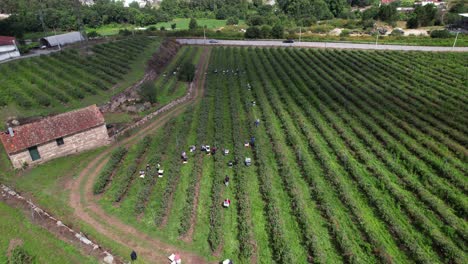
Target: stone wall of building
{"points": [[89, 139]]}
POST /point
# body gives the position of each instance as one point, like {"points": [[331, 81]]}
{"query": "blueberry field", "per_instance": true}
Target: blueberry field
{"points": [[357, 157], [72, 77]]}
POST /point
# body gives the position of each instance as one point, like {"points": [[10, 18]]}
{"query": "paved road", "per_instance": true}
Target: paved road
{"points": [[331, 45]]}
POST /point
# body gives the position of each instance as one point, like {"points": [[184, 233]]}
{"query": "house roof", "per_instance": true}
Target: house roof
{"points": [[51, 128], [63, 39], [5, 40]]}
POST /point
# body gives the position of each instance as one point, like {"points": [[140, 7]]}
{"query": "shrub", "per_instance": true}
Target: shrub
{"points": [[187, 72], [265, 31], [252, 33], [440, 33], [277, 31], [93, 34], [149, 92], [412, 22], [345, 33], [124, 32], [162, 28], [20, 256], [192, 24], [232, 21], [397, 32]]}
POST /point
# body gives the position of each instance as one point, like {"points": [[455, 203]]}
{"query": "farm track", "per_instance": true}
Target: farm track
{"points": [[87, 209]]}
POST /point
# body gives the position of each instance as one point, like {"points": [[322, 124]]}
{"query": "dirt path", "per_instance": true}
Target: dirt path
{"points": [[88, 210]]}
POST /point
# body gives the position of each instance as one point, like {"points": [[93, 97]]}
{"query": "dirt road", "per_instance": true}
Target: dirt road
{"points": [[85, 203]]}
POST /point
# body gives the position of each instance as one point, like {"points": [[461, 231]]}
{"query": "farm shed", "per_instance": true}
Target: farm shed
{"points": [[8, 48], [62, 39], [55, 136]]}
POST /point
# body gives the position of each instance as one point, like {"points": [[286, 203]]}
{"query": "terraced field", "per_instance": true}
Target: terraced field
{"points": [[71, 78], [359, 157]]}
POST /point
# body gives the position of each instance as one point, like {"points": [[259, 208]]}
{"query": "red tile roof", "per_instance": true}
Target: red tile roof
{"points": [[4, 40], [51, 128]]}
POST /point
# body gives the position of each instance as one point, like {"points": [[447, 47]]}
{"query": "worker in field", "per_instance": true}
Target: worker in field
{"points": [[226, 203], [257, 122], [226, 181], [133, 255]]}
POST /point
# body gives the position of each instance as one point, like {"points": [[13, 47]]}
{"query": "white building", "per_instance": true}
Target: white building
{"points": [[62, 39], [8, 48]]}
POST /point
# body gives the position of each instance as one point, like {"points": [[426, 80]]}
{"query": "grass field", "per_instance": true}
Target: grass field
{"points": [[360, 157], [69, 79], [42, 245], [181, 23]]}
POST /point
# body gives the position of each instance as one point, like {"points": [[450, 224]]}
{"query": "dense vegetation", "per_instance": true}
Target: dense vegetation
{"points": [[360, 157], [70, 75]]}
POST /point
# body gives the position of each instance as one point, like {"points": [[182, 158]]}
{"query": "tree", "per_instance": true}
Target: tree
{"points": [[440, 33], [173, 26], [253, 33], [255, 20], [149, 92], [187, 72], [232, 21], [412, 22], [265, 31], [192, 24], [277, 31]]}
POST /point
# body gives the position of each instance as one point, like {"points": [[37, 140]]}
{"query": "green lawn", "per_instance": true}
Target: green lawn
{"points": [[181, 23], [38, 242]]}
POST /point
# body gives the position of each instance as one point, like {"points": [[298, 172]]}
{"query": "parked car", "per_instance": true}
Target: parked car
{"points": [[288, 41], [213, 41]]}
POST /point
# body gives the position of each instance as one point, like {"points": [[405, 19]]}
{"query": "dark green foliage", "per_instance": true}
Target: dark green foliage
{"points": [[93, 34], [19, 255], [412, 22], [440, 34], [173, 26], [148, 92], [265, 31], [277, 31], [253, 33], [232, 21], [187, 72], [193, 24], [106, 173]]}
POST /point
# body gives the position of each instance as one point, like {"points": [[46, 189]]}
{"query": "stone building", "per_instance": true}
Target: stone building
{"points": [[8, 48], [55, 136]]}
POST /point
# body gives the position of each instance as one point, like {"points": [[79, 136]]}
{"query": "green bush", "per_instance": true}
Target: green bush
{"points": [[20, 256], [93, 34], [149, 92], [440, 34], [187, 72], [232, 21], [277, 31], [345, 33], [253, 33]]}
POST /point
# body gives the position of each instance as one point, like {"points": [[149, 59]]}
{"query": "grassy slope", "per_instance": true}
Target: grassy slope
{"points": [[38, 242]]}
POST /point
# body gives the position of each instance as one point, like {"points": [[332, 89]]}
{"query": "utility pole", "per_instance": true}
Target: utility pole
{"points": [[455, 42], [300, 33], [204, 34]]}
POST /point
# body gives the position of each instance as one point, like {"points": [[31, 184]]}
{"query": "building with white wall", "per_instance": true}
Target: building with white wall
{"points": [[8, 48]]}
